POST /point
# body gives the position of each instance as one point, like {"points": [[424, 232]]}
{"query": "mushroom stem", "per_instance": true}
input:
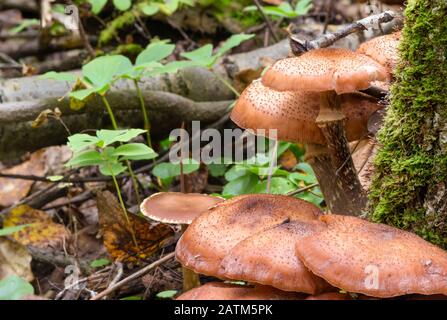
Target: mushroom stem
{"points": [[331, 122], [191, 279]]}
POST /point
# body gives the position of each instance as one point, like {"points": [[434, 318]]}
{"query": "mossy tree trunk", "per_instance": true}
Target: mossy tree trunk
{"points": [[409, 189]]}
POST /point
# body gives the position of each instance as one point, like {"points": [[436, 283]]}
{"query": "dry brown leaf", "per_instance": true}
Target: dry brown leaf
{"points": [[288, 160], [14, 260], [42, 232], [117, 235], [13, 190], [363, 158]]}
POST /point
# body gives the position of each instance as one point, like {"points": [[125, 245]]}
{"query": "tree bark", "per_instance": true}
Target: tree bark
{"points": [[409, 188]]}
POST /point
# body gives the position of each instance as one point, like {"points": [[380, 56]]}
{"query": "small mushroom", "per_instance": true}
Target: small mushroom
{"points": [[213, 234], [374, 259], [269, 258], [331, 72], [179, 208], [229, 291]]}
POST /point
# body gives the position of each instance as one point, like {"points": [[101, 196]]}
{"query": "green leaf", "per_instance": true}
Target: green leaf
{"points": [[217, 170], [122, 5], [310, 197], [98, 263], [140, 150], [80, 141], [202, 56], [132, 298], [168, 170], [111, 136], [104, 70], [83, 93], [97, 5], [86, 158], [297, 177], [14, 288], [150, 9], [303, 7], [235, 172], [154, 52], [241, 185], [59, 76], [278, 186], [24, 25], [10, 230], [171, 67], [233, 42], [169, 7], [168, 294], [112, 169]]}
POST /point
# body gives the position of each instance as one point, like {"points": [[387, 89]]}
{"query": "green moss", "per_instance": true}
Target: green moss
{"points": [[111, 31], [412, 163]]}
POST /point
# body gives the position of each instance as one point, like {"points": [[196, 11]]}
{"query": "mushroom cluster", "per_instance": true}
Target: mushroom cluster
{"points": [[286, 248], [315, 99]]}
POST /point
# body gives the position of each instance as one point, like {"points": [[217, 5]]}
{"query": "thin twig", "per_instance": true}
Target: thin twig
{"points": [[295, 192], [267, 20], [134, 276]]}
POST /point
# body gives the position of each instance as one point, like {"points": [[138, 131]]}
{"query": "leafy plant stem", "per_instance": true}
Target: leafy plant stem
{"points": [[123, 207], [115, 127], [147, 124], [227, 84]]}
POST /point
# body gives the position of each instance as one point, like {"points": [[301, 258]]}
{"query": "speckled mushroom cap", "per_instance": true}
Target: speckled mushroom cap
{"points": [[226, 291], [213, 234], [374, 259], [269, 258], [325, 69], [383, 49], [177, 207], [293, 113]]}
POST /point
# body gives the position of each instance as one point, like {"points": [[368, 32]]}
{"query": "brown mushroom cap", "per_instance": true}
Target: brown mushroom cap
{"points": [[177, 207], [383, 49], [293, 113], [323, 70], [374, 259], [269, 258], [227, 291], [213, 234]]}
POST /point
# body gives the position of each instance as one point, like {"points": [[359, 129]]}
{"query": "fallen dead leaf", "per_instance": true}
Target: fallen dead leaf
{"points": [[14, 260], [42, 232], [117, 235], [14, 190]]}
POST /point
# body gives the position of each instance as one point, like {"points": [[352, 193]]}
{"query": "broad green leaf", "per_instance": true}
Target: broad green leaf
{"points": [[235, 172], [112, 169], [97, 5], [217, 170], [10, 230], [83, 93], [104, 70], [297, 177], [98, 263], [169, 7], [303, 166], [150, 9], [135, 150], [233, 42], [168, 294], [168, 170], [80, 141], [24, 25], [310, 197], [303, 7], [14, 288], [86, 158], [171, 67], [278, 186], [203, 56], [111, 136], [59, 76], [154, 52], [122, 5], [241, 185], [132, 298]]}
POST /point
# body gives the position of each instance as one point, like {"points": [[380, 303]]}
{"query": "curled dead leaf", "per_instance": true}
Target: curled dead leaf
{"points": [[117, 236], [14, 260], [41, 233]]}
